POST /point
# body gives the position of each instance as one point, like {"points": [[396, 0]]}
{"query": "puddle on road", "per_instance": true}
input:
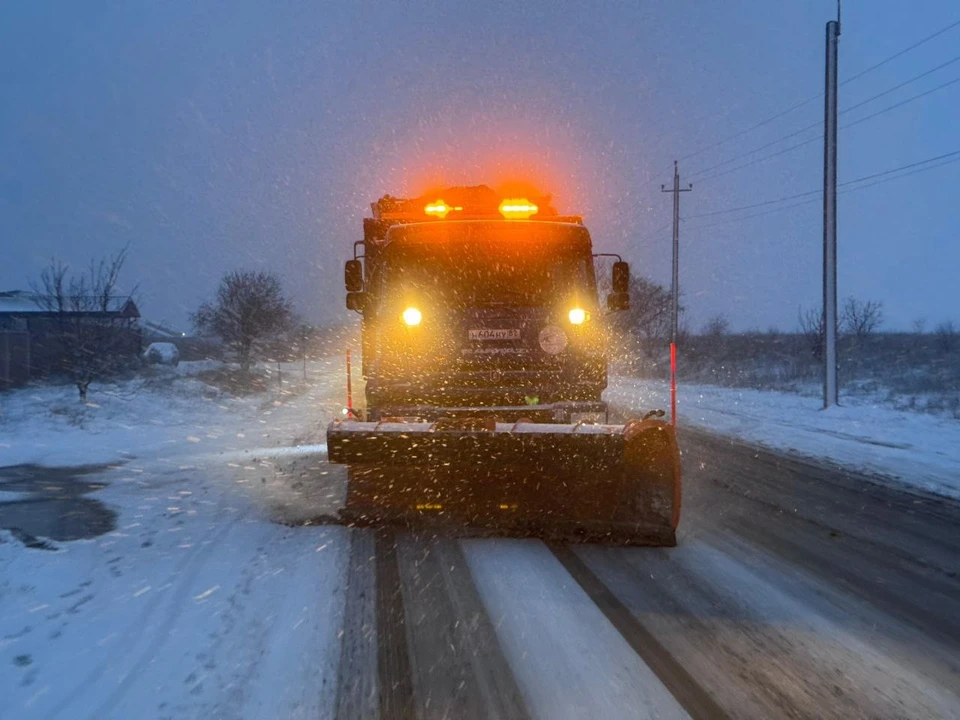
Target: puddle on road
{"points": [[54, 505]]}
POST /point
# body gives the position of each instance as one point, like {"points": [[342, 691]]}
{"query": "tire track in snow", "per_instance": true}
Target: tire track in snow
{"points": [[688, 692], [417, 640], [357, 687], [393, 656], [374, 679], [459, 670]]}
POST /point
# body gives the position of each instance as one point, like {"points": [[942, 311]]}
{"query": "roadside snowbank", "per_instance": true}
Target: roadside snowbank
{"points": [[912, 448]]}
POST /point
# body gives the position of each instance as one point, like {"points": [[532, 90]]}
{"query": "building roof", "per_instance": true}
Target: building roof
{"points": [[17, 301], [26, 302]]}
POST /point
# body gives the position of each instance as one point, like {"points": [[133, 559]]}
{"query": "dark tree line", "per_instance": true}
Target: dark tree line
{"points": [[857, 319]]}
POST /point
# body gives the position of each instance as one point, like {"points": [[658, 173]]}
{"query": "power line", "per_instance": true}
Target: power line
{"points": [[756, 150], [655, 234], [903, 84], [755, 205], [810, 99], [842, 127], [901, 103], [912, 172], [842, 112], [761, 159], [752, 127], [758, 214], [945, 157], [902, 167], [917, 44]]}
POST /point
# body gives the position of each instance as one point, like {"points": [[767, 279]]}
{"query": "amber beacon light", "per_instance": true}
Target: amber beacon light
{"points": [[439, 209], [517, 208]]}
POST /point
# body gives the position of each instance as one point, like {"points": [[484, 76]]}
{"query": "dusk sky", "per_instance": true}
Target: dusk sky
{"points": [[216, 135]]}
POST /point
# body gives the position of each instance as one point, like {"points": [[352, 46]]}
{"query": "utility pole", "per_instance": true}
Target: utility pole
{"points": [[675, 287], [830, 363]]}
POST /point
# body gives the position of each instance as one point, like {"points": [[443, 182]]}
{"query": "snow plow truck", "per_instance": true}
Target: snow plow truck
{"points": [[484, 356]]}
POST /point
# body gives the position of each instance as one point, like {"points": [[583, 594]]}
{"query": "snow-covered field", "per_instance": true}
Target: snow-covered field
{"points": [[165, 415], [916, 449], [96, 628]]}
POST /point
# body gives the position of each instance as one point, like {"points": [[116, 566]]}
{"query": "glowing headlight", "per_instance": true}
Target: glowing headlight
{"points": [[412, 316], [577, 316]]}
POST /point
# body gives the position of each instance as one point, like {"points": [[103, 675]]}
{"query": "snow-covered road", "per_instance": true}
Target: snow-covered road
{"points": [[796, 590]]}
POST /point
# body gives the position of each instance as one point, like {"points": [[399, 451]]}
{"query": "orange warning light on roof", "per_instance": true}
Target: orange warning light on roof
{"points": [[439, 209], [517, 208]]}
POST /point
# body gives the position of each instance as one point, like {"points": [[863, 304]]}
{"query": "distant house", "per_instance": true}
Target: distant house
{"points": [[191, 347], [29, 345]]}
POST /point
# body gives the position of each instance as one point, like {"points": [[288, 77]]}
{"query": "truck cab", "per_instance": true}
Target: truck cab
{"points": [[479, 305]]}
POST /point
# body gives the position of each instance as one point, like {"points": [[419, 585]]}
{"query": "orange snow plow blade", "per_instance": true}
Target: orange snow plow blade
{"points": [[595, 483]]}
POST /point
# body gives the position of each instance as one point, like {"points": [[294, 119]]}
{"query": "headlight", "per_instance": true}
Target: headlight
{"points": [[412, 316], [577, 316]]}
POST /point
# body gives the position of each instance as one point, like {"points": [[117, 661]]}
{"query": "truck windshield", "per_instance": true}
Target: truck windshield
{"points": [[488, 273]]}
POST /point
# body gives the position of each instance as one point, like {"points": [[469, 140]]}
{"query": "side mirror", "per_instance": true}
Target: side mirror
{"points": [[353, 276], [618, 301], [621, 277], [356, 300]]}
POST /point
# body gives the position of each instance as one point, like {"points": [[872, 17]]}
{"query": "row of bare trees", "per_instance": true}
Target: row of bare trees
{"points": [[94, 336], [649, 316], [858, 319]]}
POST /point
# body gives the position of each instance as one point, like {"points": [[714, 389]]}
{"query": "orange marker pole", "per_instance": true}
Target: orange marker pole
{"points": [[673, 384], [349, 389]]}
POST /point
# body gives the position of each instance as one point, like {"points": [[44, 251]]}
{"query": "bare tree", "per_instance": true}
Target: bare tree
{"points": [[717, 326], [919, 326], [946, 334], [649, 316], [249, 309], [94, 327], [861, 318], [811, 327]]}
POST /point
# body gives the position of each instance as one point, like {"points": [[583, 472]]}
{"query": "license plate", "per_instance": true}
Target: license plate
{"points": [[492, 334]]}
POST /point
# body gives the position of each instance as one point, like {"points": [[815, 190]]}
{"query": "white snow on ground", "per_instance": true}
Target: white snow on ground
{"points": [[222, 615], [916, 449], [197, 604], [568, 659], [167, 413]]}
